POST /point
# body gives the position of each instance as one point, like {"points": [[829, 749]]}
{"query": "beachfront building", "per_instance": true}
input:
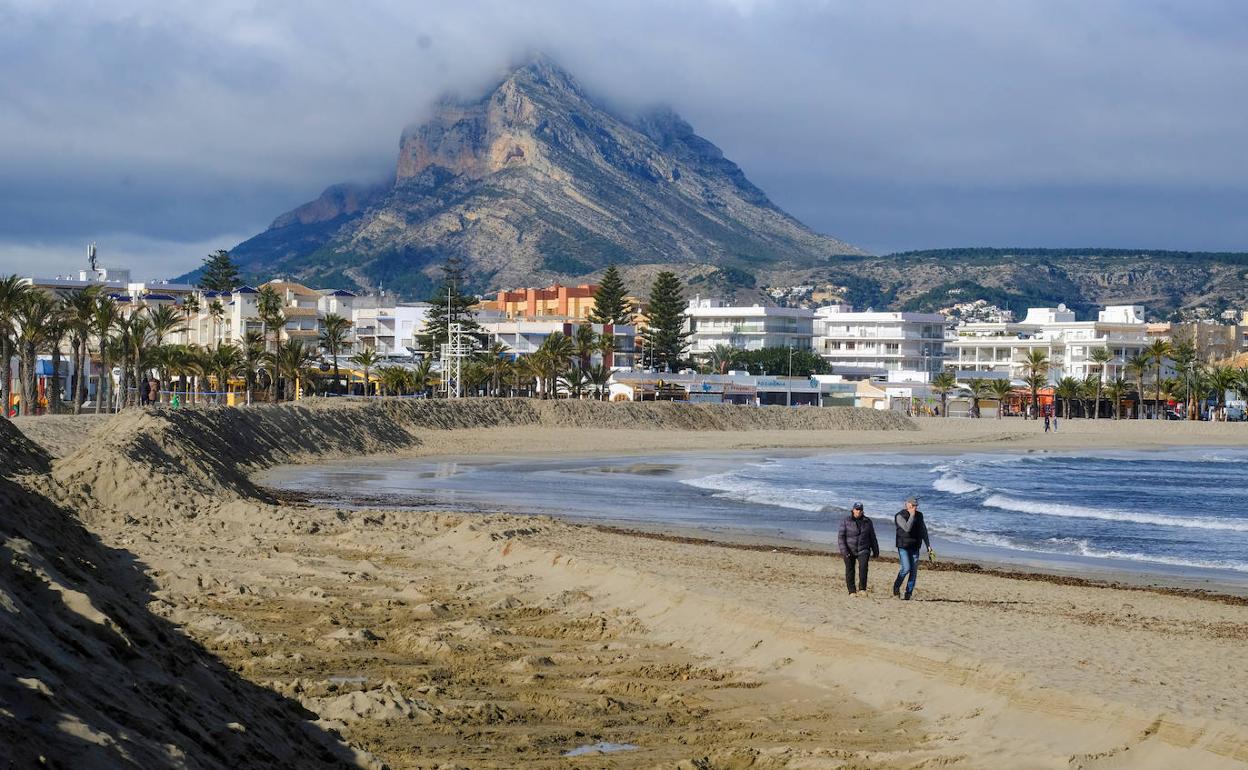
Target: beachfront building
{"points": [[389, 327], [131, 296], [732, 388], [1000, 348], [572, 303], [888, 345], [711, 323], [522, 337]]}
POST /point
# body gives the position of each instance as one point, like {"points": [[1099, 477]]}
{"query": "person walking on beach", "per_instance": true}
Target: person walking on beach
{"points": [[857, 543], [911, 536]]}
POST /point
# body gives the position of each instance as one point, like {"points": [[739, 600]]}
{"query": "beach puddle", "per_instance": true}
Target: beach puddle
{"points": [[602, 747]]}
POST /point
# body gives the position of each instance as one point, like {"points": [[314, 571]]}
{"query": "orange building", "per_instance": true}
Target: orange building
{"points": [[571, 302]]}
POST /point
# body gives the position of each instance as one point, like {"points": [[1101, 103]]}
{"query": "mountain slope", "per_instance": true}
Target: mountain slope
{"points": [[536, 182]]}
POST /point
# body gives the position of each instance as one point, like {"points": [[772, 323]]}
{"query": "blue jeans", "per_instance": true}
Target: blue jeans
{"points": [[909, 567]]}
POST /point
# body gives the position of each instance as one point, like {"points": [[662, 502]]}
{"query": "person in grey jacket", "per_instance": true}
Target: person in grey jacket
{"points": [[857, 543], [911, 535]]}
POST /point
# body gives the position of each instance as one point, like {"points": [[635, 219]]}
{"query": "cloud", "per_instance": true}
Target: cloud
{"points": [[176, 122]]}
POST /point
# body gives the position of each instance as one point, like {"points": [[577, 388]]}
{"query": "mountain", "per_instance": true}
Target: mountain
{"points": [[534, 182], [1167, 283]]}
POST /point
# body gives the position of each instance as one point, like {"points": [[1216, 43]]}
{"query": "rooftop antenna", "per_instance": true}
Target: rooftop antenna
{"points": [[91, 256]]}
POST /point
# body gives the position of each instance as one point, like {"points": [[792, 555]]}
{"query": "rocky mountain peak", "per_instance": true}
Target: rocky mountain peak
{"points": [[534, 181]]}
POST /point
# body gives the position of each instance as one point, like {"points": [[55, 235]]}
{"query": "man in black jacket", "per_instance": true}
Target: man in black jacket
{"points": [[911, 535], [857, 544]]}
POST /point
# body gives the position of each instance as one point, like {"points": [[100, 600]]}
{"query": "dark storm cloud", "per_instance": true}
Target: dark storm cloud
{"points": [[163, 128]]}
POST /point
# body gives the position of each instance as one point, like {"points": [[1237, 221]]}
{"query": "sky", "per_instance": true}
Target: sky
{"points": [[166, 129]]}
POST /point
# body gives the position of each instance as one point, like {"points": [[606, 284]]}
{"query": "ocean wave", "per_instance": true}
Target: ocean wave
{"points": [[955, 484], [1085, 548], [731, 486], [1069, 546], [1005, 503]]}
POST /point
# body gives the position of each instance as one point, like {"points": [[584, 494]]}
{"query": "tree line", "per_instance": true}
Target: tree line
{"points": [[1195, 382]]}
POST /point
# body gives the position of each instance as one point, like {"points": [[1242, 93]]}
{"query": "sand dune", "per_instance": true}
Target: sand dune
{"points": [[505, 641]]}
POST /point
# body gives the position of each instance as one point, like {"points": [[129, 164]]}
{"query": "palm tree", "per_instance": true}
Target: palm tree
{"points": [[551, 359], [1117, 389], [1037, 365], [422, 375], [1138, 365], [225, 361], [574, 381], [163, 322], [606, 346], [1158, 352], [366, 359], [134, 337], [53, 335], [1089, 388], [103, 323], [496, 365], [394, 379], [1219, 380], [12, 295], [80, 308], [1099, 357], [334, 336], [1001, 390], [34, 318], [1068, 390], [943, 383], [599, 377], [269, 308], [216, 311], [292, 361], [979, 389], [190, 309], [253, 359], [585, 344], [721, 358]]}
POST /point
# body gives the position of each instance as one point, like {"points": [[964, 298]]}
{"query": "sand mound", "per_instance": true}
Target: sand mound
{"points": [[179, 459], [89, 677]]}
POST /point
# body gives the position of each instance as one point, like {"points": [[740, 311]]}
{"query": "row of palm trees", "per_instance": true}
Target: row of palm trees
{"points": [[1199, 381], [88, 322], [562, 365]]}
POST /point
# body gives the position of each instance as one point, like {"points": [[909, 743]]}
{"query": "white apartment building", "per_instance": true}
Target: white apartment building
{"points": [[909, 346], [523, 337], [1002, 347], [711, 323], [391, 328]]}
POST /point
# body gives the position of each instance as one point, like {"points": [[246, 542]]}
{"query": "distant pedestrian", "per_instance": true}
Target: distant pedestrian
{"points": [[144, 389], [857, 543], [911, 536], [153, 393], [1055, 421]]}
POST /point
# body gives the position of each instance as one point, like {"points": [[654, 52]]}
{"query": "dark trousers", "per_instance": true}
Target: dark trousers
{"points": [[863, 560]]}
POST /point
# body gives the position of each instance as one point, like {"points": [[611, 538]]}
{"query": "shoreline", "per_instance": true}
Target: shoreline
{"points": [[968, 556], [432, 639]]}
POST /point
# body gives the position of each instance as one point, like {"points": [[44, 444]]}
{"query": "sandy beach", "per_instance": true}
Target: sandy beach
{"points": [[427, 640]]}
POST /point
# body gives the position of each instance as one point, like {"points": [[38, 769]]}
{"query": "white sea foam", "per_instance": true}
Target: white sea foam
{"points": [[1104, 514], [955, 484], [1084, 548], [732, 486], [1081, 547]]}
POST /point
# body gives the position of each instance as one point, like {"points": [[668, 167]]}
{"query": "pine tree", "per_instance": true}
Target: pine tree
{"points": [[665, 337], [219, 272], [460, 309], [611, 303]]}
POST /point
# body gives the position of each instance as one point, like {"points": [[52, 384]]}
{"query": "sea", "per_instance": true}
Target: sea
{"points": [[1172, 512]]}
